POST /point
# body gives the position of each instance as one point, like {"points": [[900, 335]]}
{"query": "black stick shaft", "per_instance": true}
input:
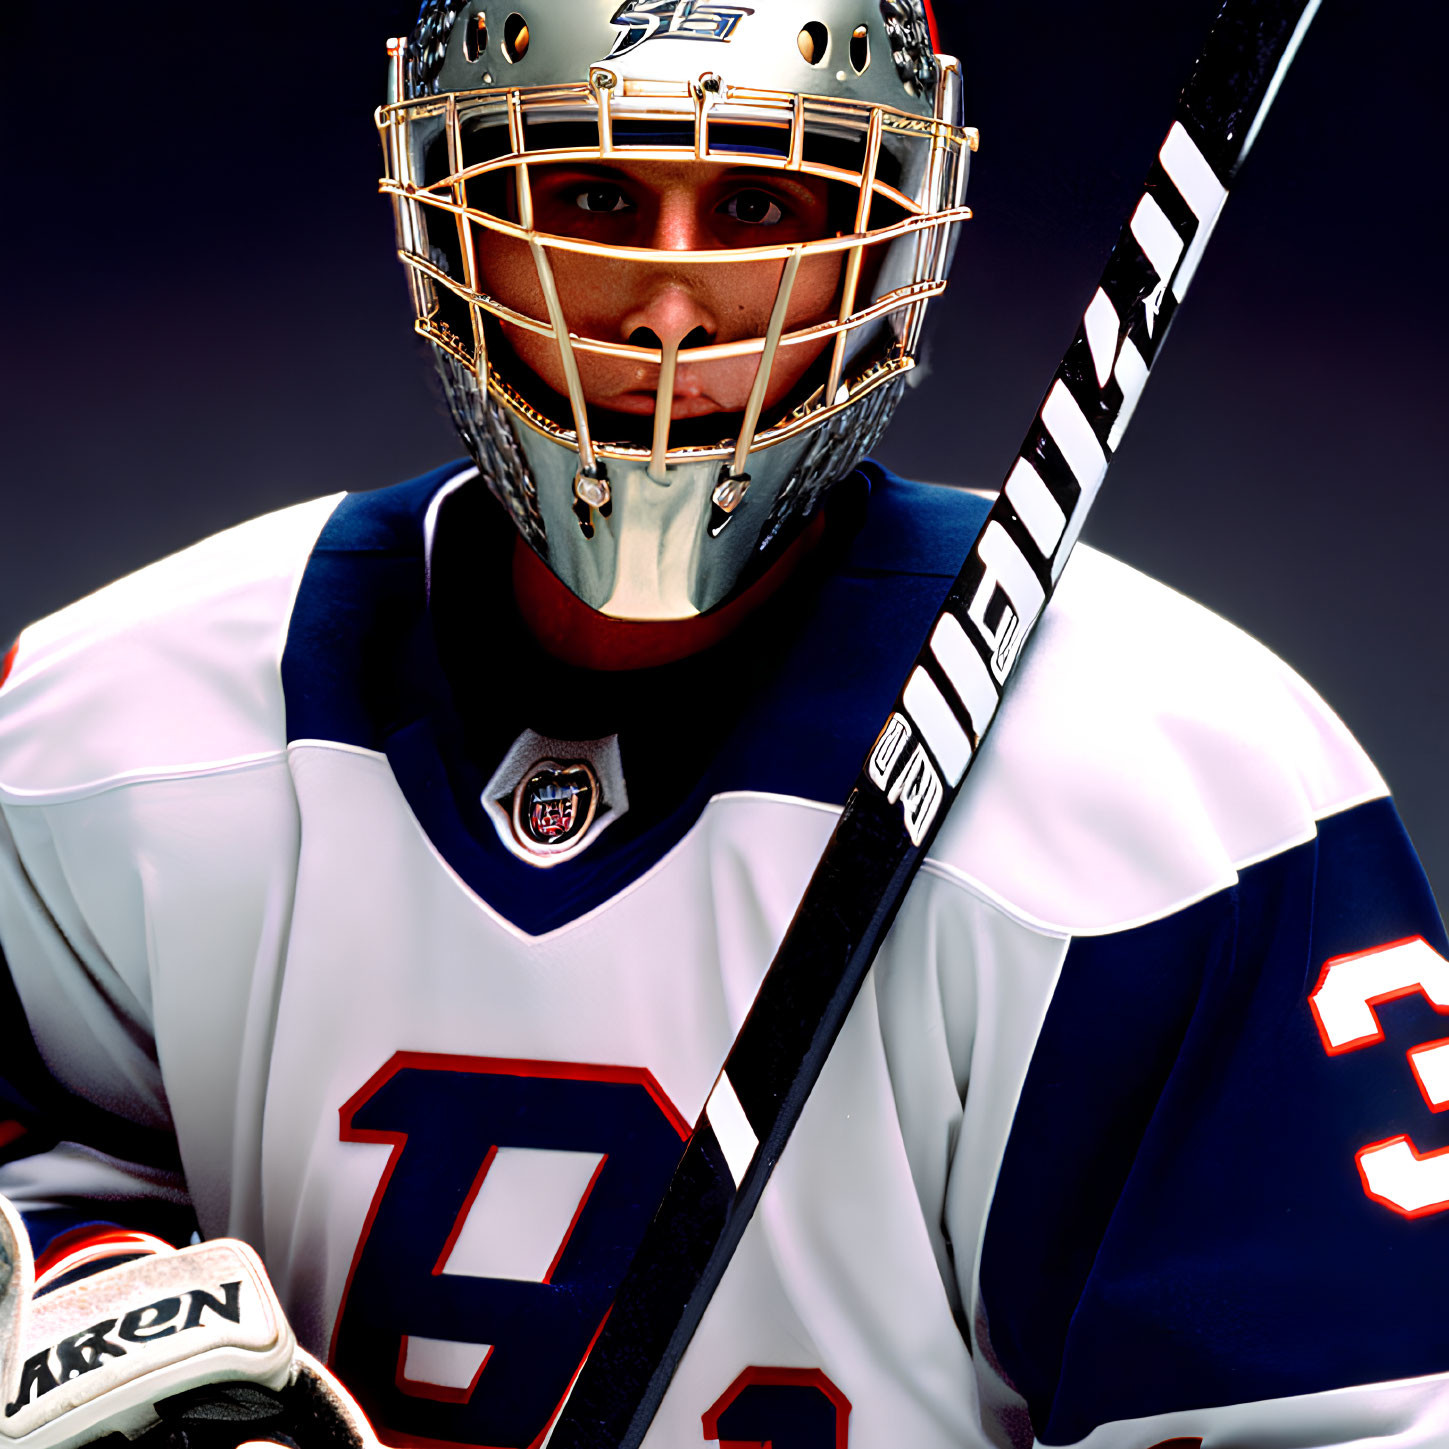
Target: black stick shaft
{"points": [[926, 748]]}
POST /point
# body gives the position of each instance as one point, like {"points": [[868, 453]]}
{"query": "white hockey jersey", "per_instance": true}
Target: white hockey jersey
{"points": [[1129, 1138]]}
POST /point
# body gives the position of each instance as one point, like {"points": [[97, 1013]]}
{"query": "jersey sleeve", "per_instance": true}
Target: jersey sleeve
{"points": [[85, 1140], [1223, 1209], [147, 862]]}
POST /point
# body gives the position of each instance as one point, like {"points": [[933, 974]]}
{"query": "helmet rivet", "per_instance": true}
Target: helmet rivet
{"points": [[593, 491], [730, 492]]}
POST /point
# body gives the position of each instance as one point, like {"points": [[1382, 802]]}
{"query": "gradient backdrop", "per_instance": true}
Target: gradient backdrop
{"points": [[204, 320]]}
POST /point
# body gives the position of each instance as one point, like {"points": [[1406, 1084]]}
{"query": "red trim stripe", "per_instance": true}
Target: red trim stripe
{"points": [[126, 1241], [463, 1212], [8, 662], [931, 26], [10, 1131]]}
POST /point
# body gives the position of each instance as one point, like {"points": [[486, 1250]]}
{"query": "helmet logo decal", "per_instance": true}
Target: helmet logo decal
{"points": [[641, 20]]}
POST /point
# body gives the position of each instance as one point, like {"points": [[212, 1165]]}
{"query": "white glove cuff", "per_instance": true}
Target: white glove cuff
{"points": [[95, 1356]]}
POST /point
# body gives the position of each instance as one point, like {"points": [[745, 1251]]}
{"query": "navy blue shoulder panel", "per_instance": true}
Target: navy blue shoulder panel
{"points": [[361, 592], [793, 702], [1179, 1220]]}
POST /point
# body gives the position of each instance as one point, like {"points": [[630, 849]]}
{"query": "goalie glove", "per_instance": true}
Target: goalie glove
{"points": [[174, 1349]]}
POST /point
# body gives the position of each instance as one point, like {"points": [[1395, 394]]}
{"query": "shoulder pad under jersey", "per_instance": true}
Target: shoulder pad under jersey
{"points": [[171, 669], [1146, 751]]}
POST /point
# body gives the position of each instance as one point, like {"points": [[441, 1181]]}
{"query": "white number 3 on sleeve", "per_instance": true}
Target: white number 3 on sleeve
{"points": [[1394, 1171]]}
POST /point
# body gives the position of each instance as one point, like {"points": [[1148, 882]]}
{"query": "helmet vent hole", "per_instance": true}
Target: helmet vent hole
{"points": [[814, 42], [515, 37], [859, 49], [475, 39]]}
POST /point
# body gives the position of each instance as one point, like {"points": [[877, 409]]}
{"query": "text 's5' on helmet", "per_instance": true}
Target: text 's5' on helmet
{"points": [[649, 518]]}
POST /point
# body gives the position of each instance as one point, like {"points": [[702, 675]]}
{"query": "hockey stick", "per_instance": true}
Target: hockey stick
{"points": [[918, 763]]}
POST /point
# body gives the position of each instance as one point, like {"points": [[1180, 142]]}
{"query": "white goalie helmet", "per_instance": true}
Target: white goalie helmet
{"points": [[662, 510]]}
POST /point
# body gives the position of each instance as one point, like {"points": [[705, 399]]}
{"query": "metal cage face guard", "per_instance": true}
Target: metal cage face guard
{"points": [[663, 521]]}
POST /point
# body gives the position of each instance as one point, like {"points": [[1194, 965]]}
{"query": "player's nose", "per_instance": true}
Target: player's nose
{"points": [[676, 302], [670, 315]]}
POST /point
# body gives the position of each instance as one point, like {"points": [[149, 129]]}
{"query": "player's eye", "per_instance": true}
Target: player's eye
{"points": [[753, 208], [602, 198]]}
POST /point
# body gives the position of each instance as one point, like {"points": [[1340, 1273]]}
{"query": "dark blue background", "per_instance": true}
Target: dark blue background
{"points": [[203, 317]]}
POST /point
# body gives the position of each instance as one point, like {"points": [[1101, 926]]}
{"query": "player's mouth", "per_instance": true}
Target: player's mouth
{"points": [[690, 401]]}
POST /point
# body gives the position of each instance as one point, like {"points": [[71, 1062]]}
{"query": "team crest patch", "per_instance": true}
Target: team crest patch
{"points": [[641, 20], [554, 804], [551, 799]]}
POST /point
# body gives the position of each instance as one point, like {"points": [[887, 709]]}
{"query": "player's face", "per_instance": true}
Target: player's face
{"points": [[669, 207]]}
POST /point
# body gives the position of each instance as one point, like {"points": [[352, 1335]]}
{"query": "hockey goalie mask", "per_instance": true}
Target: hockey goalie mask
{"points": [[653, 464]]}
